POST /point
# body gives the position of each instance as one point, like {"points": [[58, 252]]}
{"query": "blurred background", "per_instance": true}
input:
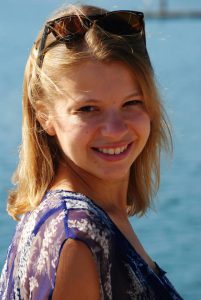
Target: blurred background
{"points": [[172, 234]]}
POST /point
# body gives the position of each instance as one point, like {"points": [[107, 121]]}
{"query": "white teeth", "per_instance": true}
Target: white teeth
{"points": [[113, 151]]}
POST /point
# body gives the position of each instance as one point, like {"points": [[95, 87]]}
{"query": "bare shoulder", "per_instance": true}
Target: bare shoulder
{"points": [[77, 275]]}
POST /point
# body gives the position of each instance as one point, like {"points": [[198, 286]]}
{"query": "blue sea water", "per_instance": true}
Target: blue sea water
{"points": [[172, 234]]}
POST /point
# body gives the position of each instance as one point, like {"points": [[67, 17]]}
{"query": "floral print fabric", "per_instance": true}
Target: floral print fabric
{"points": [[30, 268]]}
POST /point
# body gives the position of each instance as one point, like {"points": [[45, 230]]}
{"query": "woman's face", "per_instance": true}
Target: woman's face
{"points": [[101, 123]]}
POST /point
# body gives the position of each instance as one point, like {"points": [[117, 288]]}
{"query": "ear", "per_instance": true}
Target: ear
{"points": [[44, 118]]}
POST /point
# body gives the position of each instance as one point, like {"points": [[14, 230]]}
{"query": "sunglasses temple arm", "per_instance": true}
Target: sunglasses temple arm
{"points": [[144, 33], [40, 56]]}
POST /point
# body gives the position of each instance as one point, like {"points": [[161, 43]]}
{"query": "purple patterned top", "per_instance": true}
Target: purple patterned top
{"points": [[33, 256]]}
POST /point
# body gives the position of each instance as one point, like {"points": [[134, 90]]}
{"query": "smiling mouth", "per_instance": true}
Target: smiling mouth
{"points": [[112, 151]]}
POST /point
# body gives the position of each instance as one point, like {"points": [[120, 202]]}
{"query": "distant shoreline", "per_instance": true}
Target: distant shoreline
{"points": [[172, 14]]}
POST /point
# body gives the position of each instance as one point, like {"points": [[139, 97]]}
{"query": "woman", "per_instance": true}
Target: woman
{"points": [[93, 129]]}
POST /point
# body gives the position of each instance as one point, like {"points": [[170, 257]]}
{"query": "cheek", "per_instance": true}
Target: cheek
{"points": [[146, 126], [70, 133], [142, 124]]}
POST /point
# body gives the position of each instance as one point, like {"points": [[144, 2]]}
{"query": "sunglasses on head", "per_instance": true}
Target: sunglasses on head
{"points": [[69, 28]]}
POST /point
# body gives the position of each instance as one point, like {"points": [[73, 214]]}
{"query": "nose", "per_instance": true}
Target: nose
{"points": [[114, 125]]}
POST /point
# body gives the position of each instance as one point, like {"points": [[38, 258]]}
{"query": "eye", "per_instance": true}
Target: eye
{"points": [[133, 102], [87, 108]]}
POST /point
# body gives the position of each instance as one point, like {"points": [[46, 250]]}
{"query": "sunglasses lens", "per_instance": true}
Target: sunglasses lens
{"points": [[121, 23], [70, 26]]}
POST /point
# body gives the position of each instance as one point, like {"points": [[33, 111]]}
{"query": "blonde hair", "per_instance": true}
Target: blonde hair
{"points": [[39, 152]]}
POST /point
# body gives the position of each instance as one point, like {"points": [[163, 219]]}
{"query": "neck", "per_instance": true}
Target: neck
{"points": [[109, 195]]}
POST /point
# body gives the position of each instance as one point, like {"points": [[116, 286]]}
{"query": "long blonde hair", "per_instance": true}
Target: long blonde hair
{"points": [[39, 152]]}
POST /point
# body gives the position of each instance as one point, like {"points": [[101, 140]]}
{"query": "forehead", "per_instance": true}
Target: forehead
{"points": [[100, 79]]}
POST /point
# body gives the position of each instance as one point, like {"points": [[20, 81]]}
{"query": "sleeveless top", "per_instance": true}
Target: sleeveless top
{"points": [[31, 265]]}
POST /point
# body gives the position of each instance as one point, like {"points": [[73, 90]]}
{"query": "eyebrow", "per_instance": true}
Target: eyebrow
{"points": [[135, 94], [94, 100]]}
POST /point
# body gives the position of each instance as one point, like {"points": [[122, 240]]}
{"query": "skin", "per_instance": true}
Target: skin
{"points": [[102, 108], [73, 282]]}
